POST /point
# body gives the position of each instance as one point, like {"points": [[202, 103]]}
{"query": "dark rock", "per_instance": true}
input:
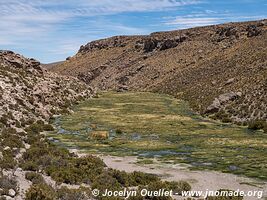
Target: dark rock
{"points": [[150, 45], [168, 44], [181, 39], [230, 31], [140, 68], [253, 31], [227, 32], [5, 52], [35, 64], [123, 80]]}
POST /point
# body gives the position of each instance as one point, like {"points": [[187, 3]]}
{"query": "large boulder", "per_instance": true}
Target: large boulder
{"points": [[221, 100], [11, 59], [11, 193], [214, 107], [227, 33], [150, 45], [253, 31], [168, 44], [229, 97]]}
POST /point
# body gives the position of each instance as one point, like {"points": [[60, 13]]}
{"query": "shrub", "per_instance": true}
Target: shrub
{"points": [[41, 155], [119, 132], [32, 138], [40, 192], [48, 127], [17, 123], [122, 177], [265, 128], [71, 194], [7, 162], [35, 128], [78, 170], [30, 121], [6, 184], [10, 138], [61, 165], [106, 182], [132, 179], [226, 120], [66, 175], [256, 125], [155, 186], [64, 111], [222, 115], [4, 119], [8, 131], [29, 166], [33, 133], [34, 178], [140, 178], [90, 167], [178, 187]]}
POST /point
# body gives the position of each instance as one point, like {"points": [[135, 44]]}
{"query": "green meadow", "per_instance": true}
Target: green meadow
{"points": [[159, 126]]}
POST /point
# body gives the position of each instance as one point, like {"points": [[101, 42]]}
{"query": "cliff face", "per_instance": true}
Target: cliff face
{"points": [[221, 70]]}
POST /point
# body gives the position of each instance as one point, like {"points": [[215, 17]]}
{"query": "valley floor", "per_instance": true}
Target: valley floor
{"points": [[199, 180], [118, 128]]}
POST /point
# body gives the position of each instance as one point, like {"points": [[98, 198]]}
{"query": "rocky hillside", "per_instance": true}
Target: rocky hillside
{"points": [[221, 70], [29, 96], [30, 93]]}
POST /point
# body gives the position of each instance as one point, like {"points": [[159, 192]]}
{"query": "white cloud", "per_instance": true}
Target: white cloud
{"points": [[22, 19], [193, 21], [87, 7], [206, 17]]}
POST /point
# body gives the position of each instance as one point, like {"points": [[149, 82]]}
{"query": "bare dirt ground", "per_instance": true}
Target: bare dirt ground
{"points": [[199, 180]]}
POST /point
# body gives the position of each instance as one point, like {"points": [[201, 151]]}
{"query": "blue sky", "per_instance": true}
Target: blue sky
{"points": [[51, 30]]}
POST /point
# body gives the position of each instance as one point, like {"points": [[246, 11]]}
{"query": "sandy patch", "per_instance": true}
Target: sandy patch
{"points": [[199, 180]]}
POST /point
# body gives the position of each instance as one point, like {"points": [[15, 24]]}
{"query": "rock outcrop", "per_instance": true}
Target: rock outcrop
{"points": [[117, 41], [29, 92], [222, 100]]}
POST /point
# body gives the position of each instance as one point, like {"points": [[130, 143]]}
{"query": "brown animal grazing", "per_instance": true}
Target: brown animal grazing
{"points": [[99, 135]]}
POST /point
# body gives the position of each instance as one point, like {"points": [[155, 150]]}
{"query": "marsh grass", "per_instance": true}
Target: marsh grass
{"points": [[155, 125]]}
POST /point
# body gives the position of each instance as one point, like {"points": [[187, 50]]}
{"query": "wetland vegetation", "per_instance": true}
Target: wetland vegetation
{"points": [[151, 125]]}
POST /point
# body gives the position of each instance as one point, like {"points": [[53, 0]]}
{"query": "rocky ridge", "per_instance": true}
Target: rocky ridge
{"points": [[29, 92], [198, 65]]}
